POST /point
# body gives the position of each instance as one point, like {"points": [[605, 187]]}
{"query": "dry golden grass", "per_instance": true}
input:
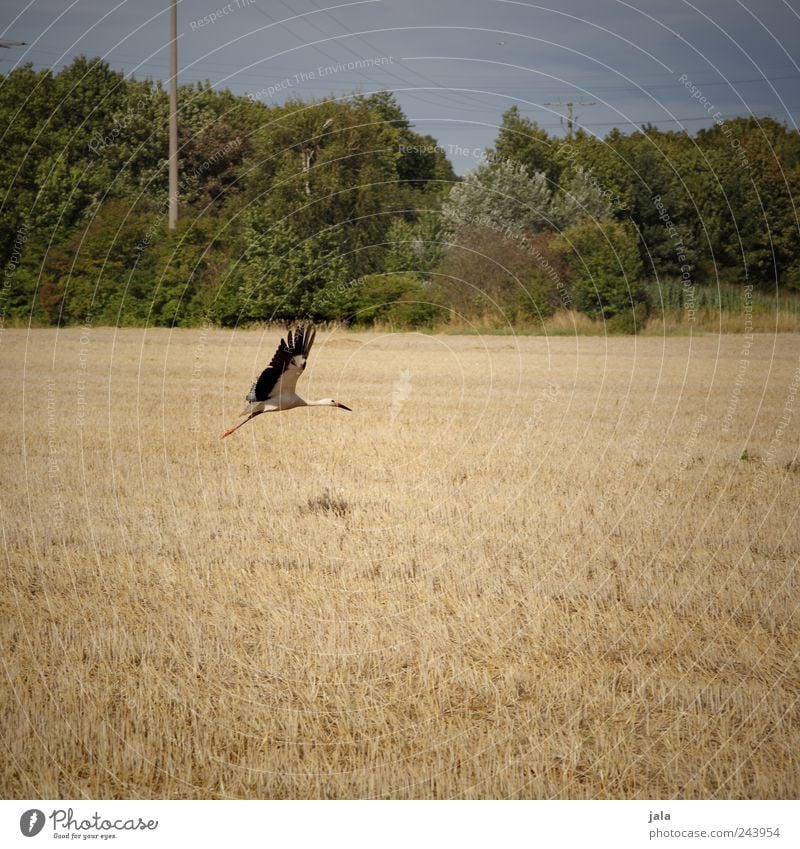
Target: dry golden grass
{"points": [[549, 573], [671, 322]]}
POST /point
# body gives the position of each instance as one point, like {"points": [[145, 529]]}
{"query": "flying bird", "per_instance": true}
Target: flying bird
{"points": [[274, 389]]}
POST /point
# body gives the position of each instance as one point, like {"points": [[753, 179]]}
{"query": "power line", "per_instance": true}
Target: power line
{"points": [[475, 107], [569, 106], [225, 69], [312, 22], [672, 120]]}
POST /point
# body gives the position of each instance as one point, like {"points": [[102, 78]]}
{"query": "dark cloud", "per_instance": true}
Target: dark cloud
{"points": [[456, 64]]}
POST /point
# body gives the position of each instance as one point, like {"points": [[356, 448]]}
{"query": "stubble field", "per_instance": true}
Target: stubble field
{"points": [[522, 567]]}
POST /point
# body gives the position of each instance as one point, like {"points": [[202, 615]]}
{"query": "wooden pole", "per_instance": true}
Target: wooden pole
{"points": [[173, 118]]}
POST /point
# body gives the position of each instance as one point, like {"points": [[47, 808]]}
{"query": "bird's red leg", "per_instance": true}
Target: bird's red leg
{"points": [[230, 430]]}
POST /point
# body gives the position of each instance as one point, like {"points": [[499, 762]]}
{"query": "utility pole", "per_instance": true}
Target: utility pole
{"points": [[173, 118], [569, 106]]}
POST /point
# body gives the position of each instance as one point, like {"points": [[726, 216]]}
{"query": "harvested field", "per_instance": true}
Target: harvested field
{"points": [[522, 567]]}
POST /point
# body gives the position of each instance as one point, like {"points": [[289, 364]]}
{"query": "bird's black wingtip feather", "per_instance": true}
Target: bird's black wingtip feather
{"points": [[308, 341]]}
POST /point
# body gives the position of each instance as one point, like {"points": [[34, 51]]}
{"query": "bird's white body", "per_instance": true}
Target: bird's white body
{"points": [[273, 405], [285, 402]]}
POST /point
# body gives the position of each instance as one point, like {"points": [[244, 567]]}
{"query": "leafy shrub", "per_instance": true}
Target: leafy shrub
{"points": [[629, 321], [400, 299], [607, 273], [493, 275]]}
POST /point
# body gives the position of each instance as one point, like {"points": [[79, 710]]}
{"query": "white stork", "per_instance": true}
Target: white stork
{"points": [[274, 389]]}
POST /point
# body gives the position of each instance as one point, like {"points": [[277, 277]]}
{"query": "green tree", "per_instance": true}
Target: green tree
{"points": [[104, 270], [524, 142], [326, 165], [286, 276], [607, 271], [413, 246], [506, 197]]}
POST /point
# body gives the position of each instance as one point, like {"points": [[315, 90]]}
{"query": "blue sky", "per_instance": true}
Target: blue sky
{"points": [[456, 65]]}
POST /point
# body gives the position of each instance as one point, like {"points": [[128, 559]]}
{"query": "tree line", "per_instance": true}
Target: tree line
{"points": [[338, 210]]}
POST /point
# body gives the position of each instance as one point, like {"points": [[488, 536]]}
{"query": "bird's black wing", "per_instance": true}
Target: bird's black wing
{"points": [[281, 375]]}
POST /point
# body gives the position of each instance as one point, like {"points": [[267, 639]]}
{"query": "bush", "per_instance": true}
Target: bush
{"points": [[489, 275], [791, 277], [607, 273], [629, 321], [400, 299]]}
